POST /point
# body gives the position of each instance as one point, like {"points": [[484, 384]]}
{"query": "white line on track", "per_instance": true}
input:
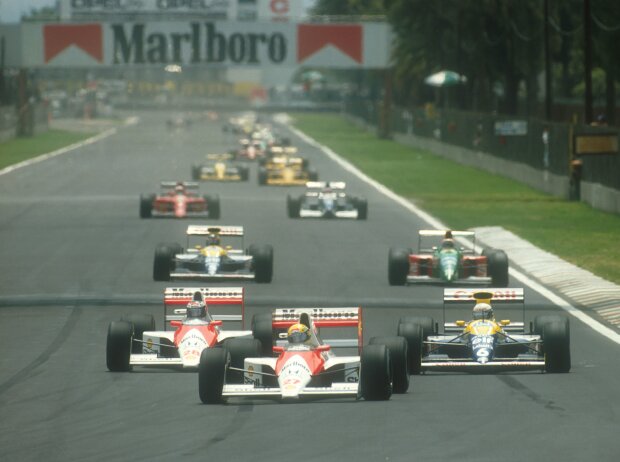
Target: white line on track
{"points": [[71, 147], [546, 293]]}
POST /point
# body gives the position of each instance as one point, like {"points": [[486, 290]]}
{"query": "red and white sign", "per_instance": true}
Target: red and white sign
{"points": [[279, 10], [205, 43]]}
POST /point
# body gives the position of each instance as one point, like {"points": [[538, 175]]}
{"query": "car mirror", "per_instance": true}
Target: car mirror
{"points": [[505, 322], [278, 349], [176, 323], [460, 323]]}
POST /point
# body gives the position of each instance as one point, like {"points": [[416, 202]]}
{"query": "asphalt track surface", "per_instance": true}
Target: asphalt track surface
{"points": [[74, 255]]}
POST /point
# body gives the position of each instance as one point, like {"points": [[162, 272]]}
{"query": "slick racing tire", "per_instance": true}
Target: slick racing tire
{"points": [[196, 172], [375, 373], [426, 322], [556, 344], [141, 323], [313, 175], [146, 205], [213, 206], [398, 266], [262, 263], [239, 349], [400, 361], [497, 267], [362, 208], [211, 374], [292, 206], [262, 330], [262, 176], [118, 346], [541, 320], [244, 172], [413, 333], [163, 261]]}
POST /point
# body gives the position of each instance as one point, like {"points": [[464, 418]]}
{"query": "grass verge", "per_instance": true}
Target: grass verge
{"points": [[20, 149], [465, 197]]}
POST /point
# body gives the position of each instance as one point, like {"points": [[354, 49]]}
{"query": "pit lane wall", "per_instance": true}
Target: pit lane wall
{"points": [[524, 157]]}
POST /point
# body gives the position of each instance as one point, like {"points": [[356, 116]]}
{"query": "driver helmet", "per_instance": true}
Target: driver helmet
{"points": [[213, 239], [482, 311], [196, 309], [447, 244], [179, 188], [298, 333]]}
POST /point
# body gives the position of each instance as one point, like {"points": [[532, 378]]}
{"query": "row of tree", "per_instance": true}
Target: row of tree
{"points": [[499, 45]]}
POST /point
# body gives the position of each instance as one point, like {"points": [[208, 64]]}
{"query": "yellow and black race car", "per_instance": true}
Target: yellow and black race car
{"points": [[285, 171], [219, 168]]}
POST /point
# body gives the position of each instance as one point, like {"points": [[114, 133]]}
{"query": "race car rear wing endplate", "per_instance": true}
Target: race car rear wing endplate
{"points": [[350, 317], [223, 303]]}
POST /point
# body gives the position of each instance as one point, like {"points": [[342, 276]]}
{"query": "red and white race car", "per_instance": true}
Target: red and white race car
{"points": [[188, 329], [301, 367], [179, 199]]}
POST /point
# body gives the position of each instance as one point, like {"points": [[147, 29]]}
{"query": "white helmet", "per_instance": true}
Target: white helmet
{"points": [[482, 311]]}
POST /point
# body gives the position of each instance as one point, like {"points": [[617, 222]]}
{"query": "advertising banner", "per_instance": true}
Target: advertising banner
{"points": [[205, 43]]}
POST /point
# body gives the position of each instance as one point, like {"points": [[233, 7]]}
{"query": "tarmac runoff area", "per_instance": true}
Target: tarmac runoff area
{"points": [[562, 283]]}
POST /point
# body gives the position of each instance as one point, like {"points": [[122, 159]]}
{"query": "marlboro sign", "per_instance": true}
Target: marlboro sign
{"points": [[205, 43]]}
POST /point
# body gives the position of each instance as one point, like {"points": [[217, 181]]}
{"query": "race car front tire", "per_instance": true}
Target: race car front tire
{"points": [[239, 349], [146, 205], [400, 361], [497, 265], [211, 374], [362, 208], [118, 346], [427, 323], [313, 175], [398, 266], [213, 206], [262, 263], [262, 330], [556, 344], [413, 333], [141, 323], [262, 176], [375, 373], [163, 262], [244, 172], [292, 206]]}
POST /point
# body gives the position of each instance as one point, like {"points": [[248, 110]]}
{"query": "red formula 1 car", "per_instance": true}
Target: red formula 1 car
{"points": [[179, 199], [193, 319], [300, 364]]}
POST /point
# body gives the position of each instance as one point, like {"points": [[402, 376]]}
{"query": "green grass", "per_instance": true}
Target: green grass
{"points": [[20, 149], [464, 197]]}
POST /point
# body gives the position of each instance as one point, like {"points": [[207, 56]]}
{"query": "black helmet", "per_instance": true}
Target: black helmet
{"points": [[196, 310]]}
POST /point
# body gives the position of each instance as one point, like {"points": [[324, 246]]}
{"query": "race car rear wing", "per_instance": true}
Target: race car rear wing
{"points": [[219, 157], [439, 233], [283, 149], [223, 303], [202, 230], [185, 184], [349, 319], [326, 184], [496, 297]]}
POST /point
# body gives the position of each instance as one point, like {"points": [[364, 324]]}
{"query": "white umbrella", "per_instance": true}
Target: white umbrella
{"points": [[445, 79]]}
